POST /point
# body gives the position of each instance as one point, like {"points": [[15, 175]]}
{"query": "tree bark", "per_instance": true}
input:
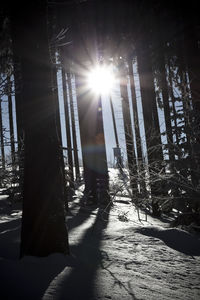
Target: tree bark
{"points": [[171, 93], [165, 97], [151, 123], [192, 55], [2, 139], [43, 224], [10, 112], [67, 125], [74, 138], [16, 48], [128, 128], [137, 129]]}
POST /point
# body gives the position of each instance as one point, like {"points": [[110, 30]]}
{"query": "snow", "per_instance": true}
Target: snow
{"points": [[113, 256]]}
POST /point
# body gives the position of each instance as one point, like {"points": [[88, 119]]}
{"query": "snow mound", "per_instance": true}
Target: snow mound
{"points": [[174, 238]]}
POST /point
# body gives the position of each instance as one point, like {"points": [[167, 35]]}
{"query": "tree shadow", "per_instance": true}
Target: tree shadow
{"points": [[10, 239], [30, 277], [176, 239], [80, 217], [80, 282]]}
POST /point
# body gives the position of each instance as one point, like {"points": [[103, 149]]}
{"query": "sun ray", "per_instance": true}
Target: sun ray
{"points": [[101, 80]]}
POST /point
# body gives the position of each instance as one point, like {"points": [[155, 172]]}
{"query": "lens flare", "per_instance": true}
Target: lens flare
{"points": [[101, 80]]}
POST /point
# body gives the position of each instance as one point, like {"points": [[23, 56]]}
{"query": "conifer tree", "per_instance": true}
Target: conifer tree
{"points": [[43, 224]]}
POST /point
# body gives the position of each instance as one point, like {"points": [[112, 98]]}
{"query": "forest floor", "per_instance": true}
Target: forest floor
{"points": [[113, 256]]}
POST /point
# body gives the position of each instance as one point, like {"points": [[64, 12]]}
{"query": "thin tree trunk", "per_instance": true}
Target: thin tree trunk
{"points": [[10, 112], [16, 47], [67, 125], [137, 129], [174, 109], [165, 97], [75, 148], [135, 111], [114, 123], [128, 128], [119, 158], [2, 138]]}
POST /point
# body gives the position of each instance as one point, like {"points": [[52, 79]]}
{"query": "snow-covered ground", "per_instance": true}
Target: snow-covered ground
{"points": [[113, 256]]}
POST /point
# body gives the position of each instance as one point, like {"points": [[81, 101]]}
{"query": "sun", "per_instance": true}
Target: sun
{"points": [[101, 80]]}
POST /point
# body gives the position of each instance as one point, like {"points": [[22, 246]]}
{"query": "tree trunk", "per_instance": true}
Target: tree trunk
{"points": [[43, 224], [128, 128], [119, 161], [2, 139], [193, 64], [165, 96], [137, 129], [93, 143], [90, 108], [76, 160], [53, 49], [171, 93], [151, 123], [67, 126], [10, 112], [16, 47], [135, 111]]}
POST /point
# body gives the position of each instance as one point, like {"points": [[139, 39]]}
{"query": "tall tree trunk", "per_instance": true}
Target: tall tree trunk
{"points": [[191, 42], [135, 111], [114, 123], [16, 48], [119, 161], [90, 109], [128, 128], [43, 223], [10, 112], [188, 126], [2, 138], [151, 123], [53, 51], [92, 142], [136, 126], [76, 160], [165, 97], [171, 93], [67, 125]]}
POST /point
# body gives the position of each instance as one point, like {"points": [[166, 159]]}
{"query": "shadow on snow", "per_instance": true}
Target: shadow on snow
{"points": [[176, 239]]}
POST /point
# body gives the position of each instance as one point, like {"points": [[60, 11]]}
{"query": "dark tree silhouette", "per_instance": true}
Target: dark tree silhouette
{"points": [[89, 107], [43, 224]]}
